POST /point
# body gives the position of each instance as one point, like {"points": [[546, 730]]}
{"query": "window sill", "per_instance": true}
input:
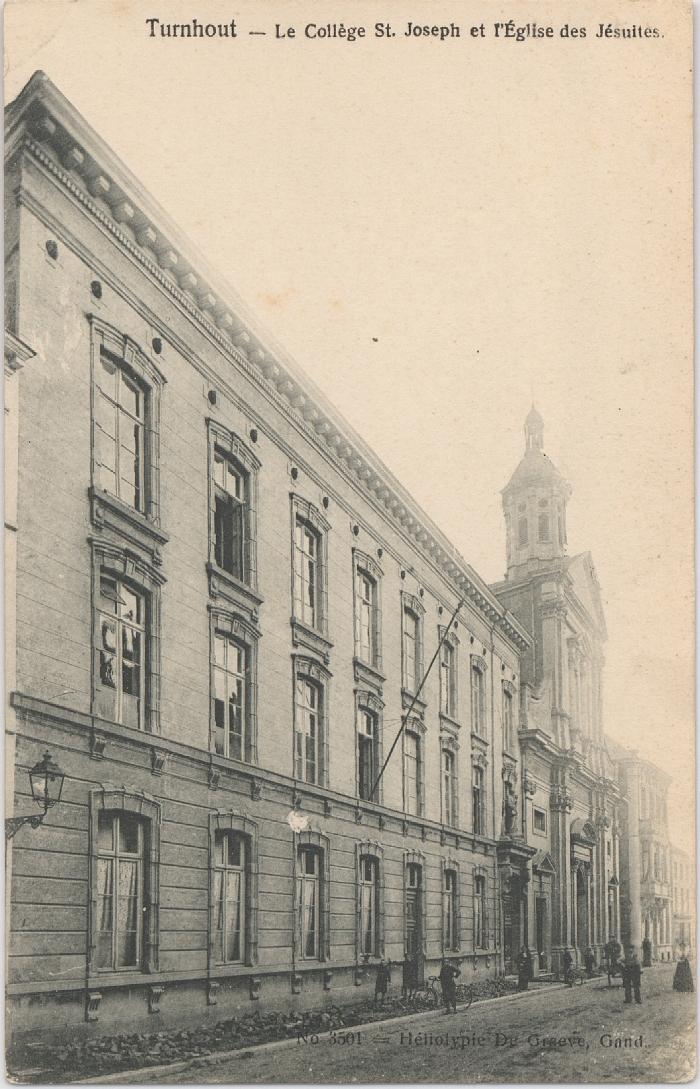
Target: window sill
{"points": [[449, 723], [479, 741], [408, 698], [108, 512], [233, 591], [368, 675], [311, 639]]}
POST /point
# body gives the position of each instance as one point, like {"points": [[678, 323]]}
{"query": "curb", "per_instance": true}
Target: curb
{"points": [[223, 1056]]}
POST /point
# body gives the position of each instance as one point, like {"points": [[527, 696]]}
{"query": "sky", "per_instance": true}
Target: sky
{"points": [[441, 232]]}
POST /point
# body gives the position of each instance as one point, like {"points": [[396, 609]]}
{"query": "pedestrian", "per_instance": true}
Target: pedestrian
{"points": [[632, 977], [524, 966], [646, 953], [448, 975], [568, 964], [382, 981], [409, 984], [589, 961], [683, 976]]}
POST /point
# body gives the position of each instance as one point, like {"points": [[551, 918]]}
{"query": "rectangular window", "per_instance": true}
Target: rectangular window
{"points": [[448, 685], [539, 820], [309, 900], [230, 897], [369, 906], [306, 574], [522, 532], [413, 909], [307, 728], [449, 915], [232, 698], [411, 650], [478, 801], [478, 701], [480, 940], [366, 754], [413, 774], [449, 788], [365, 605], [230, 516], [120, 429], [508, 722], [120, 893], [121, 646]]}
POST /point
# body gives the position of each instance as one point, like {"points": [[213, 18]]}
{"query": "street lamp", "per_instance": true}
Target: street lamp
{"points": [[46, 781]]}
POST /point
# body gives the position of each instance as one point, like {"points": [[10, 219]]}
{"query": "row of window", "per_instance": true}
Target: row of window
{"points": [[125, 408], [125, 921]]}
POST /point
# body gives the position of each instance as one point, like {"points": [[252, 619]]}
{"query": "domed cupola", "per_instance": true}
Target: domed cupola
{"points": [[534, 505]]}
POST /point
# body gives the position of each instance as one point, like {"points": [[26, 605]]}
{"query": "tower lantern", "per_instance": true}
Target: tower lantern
{"points": [[534, 506]]}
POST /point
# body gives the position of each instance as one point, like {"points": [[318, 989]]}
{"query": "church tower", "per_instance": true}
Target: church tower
{"points": [[534, 505]]}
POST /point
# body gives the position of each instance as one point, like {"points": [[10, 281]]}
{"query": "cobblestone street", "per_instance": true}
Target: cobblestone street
{"points": [[552, 1035]]}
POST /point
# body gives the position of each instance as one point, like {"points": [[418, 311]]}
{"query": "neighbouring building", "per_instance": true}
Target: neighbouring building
{"points": [[572, 801], [683, 902], [224, 606], [647, 866]]}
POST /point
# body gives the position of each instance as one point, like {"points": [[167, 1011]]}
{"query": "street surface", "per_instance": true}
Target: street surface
{"points": [[550, 1035]]}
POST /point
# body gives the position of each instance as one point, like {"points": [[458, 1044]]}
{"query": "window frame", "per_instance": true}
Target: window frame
{"points": [[508, 718], [367, 703], [370, 852], [539, 831], [449, 748], [410, 606], [368, 669], [312, 672], [415, 728], [148, 811], [240, 592], [140, 525], [478, 773], [414, 858], [479, 703], [320, 845], [120, 564], [313, 636], [480, 933], [451, 943], [235, 824], [243, 631]]}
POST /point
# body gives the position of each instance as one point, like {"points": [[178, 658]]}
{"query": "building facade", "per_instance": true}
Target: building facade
{"points": [[572, 802], [225, 604], [683, 902]]}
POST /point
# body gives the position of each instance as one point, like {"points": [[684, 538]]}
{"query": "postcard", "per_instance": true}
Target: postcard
{"points": [[348, 542]]}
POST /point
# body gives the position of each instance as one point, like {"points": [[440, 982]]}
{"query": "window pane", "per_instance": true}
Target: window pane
{"points": [[127, 914], [107, 375], [105, 900], [130, 396], [234, 912], [105, 832], [128, 834], [219, 916]]}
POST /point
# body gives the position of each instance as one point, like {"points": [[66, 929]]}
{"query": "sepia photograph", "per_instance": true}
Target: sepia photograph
{"points": [[349, 585]]}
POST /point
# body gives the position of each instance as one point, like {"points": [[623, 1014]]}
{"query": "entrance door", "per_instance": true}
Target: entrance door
{"points": [[541, 931], [414, 924]]}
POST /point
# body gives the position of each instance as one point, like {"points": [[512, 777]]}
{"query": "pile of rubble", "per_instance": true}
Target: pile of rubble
{"points": [[102, 1054]]}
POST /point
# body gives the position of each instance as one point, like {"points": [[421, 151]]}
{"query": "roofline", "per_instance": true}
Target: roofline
{"points": [[43, 122]]}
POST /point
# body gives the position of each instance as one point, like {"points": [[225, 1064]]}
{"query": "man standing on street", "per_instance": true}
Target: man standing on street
{"points": [[632, 977], [448, 975], [524, 965]]}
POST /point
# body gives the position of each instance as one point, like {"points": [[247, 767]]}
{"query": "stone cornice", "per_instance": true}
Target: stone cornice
{"points": [[43, 124], [17, 353]]}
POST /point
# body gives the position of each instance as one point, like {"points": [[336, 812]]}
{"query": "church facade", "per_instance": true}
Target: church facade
{"points": [[572, 802]]}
